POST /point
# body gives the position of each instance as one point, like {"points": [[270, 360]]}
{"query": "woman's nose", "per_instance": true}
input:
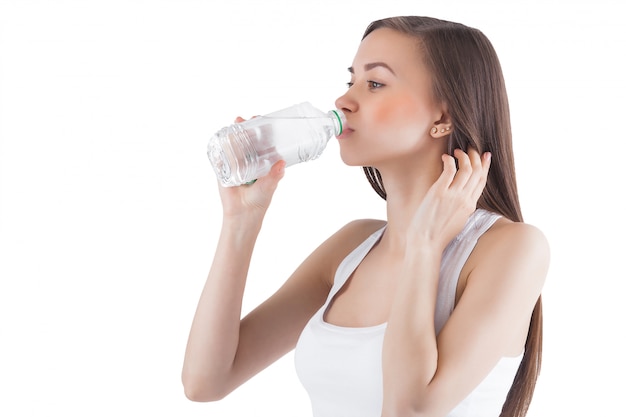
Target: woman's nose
{"points": [[346, 103]]}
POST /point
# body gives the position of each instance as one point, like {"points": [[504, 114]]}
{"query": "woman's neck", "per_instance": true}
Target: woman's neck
{"points": [[406, 189]]}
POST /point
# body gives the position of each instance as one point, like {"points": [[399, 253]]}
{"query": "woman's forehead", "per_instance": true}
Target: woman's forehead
{"points": [[395, 49]]}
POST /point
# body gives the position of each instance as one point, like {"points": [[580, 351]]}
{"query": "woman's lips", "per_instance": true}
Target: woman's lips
{"points": [[347, 131]]}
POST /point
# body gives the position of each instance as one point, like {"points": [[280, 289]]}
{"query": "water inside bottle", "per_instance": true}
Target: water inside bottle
{"points": [[287, 140], [244, 152]]}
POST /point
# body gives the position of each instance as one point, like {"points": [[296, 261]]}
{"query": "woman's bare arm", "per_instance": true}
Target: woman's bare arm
{"points": [[224, 351], [428, 375], [425, 374]]}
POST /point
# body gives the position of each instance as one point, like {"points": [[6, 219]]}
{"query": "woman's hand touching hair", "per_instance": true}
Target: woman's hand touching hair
{"points": [[451, 199]]}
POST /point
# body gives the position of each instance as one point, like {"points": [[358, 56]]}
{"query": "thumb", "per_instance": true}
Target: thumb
{"points": [[270, 181], [278, 170]]}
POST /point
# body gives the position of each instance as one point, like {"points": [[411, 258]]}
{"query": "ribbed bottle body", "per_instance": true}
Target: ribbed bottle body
{"points": [[243, 152]]}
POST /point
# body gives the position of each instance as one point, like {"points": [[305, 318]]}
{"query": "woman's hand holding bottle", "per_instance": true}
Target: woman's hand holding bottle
{"points": [[250, 199]]}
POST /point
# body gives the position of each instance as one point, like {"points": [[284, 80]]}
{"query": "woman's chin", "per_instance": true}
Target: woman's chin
{"points": [[352, 160]]}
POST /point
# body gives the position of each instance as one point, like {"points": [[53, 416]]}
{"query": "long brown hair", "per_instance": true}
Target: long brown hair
{"points": [[467, 76]]}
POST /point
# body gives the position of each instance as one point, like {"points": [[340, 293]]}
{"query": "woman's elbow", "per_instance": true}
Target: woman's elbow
{"points": [[199, 390]]}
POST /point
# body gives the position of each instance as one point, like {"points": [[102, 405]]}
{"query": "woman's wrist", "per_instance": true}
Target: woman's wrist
{"points": [[248, 224], [423, 246]]}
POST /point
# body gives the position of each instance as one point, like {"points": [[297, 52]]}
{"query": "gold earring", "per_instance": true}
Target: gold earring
{"points": [[433, 130]]}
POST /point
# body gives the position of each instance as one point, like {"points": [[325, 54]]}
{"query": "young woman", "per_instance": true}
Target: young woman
{"points": [[435, 311]]}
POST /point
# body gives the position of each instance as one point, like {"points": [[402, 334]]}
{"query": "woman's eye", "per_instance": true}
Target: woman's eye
{"points": [[374, 85]]}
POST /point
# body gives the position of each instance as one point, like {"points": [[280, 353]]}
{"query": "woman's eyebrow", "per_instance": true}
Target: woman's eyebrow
{"points": [[372, 65]]}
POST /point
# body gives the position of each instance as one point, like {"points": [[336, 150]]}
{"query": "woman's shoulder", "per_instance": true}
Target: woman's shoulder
{"points": [[517, 234], [355, 232], [508, 244], [363, 226], [327, 257], [351, 235]]}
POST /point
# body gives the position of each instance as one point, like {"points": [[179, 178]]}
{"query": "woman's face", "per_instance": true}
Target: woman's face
{"points": [[389, 105]]}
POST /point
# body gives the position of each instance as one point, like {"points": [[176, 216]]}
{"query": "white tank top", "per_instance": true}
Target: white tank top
{"points": [[341, 367]]}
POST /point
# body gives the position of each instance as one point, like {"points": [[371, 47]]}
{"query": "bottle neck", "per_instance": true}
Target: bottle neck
{"points": [[339, 120]]}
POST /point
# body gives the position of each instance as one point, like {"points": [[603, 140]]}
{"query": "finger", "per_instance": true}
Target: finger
{"points": [[465, 169], [487, 160], [475, 159], [485, 164], [278, 170], [239, 119], [449, 171], [476, 167], [270, 181]]}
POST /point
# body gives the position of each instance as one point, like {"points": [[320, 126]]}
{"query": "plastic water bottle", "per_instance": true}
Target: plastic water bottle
{"points": [[242, 152]]}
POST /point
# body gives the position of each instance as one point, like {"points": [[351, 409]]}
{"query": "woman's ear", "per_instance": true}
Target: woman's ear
{"points": [[442, 127]]}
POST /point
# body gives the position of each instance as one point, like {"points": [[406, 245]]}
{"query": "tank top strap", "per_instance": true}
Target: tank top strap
{"points": [[454, 257], [350, 262]]}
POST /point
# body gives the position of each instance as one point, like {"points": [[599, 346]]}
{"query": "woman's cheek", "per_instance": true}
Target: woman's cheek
{"points": [[399, 114], [397, 109]]}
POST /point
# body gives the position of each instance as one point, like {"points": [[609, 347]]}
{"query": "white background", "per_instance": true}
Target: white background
{"points": [[109, 209]]}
